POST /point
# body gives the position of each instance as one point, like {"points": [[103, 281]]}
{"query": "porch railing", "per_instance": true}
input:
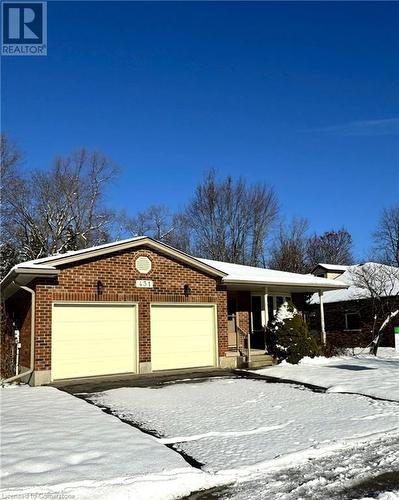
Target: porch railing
{"points": [[243, 340], [238, 339]]}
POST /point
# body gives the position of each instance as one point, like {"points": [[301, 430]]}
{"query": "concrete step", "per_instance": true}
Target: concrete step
{"points": [[260, 361]]}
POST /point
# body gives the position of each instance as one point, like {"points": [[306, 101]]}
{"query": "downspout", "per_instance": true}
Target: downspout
{"points": [[32, 337]]}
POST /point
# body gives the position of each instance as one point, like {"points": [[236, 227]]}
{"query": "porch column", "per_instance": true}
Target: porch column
{"points": [[266, 306], [322, 322]]}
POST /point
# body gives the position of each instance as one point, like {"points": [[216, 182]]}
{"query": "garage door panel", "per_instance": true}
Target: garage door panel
{"points": [[89, 340], [196, 344], [182, 336], [186, 313]]}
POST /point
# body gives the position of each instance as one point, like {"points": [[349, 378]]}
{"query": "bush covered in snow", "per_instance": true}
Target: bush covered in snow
{"points": [[289, 337]]}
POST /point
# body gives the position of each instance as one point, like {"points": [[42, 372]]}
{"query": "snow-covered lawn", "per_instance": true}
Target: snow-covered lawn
{"points": [[360, 374], [53, 442], [357, 471], [276, 438], [241, 425]]}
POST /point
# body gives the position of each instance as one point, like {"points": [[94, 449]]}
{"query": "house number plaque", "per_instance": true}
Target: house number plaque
{"points": [[144, 284]]}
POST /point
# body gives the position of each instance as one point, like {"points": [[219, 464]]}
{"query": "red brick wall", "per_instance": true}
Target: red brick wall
{"points": [[243, 309], [337, 334], [118, 274]]}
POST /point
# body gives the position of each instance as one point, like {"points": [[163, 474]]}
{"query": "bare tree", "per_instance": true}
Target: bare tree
{"points": [[61, 209], [231, 220], [332, 247], [380, 284], [386, 237], [10, 157], [10, 182], [288, 251], [180, 236], [158, 222], [155, 221]]}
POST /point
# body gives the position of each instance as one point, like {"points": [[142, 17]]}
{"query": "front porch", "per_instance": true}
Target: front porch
{"points": [[250, 310]]}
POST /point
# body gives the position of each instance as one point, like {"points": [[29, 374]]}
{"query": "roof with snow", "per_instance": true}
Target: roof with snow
{"points": [[230, 273], [331, 267], [81, 252], [237, 273], [383, 279], [49, 266]]}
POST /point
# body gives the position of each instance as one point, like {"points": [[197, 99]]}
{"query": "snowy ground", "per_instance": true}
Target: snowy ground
{"points": [[359, 374], [255, 440], [248, 429], [352, 472], [53, 442]]}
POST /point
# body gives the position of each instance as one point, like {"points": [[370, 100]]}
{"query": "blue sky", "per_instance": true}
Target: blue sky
{"points": [[302, 95]]}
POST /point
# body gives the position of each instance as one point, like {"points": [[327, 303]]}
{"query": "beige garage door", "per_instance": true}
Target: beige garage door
{"points": [[93, 339], [182, 336]]}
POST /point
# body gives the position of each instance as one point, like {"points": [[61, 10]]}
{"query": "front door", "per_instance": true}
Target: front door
{"points": [[258, 331]]}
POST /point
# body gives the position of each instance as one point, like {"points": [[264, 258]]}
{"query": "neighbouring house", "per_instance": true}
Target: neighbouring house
{"points": [[137, 306], [349, 314], [329, 271]]}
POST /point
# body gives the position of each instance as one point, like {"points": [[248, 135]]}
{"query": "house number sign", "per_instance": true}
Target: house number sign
{"points": [[144, 284]]}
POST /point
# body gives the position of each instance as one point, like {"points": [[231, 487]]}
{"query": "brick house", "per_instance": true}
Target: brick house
{"points": [[137, 306], [349, 313]]}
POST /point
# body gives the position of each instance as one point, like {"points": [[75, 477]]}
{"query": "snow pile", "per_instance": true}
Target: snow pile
{"points": [[52, 442], [239, 426], [375, 376]]}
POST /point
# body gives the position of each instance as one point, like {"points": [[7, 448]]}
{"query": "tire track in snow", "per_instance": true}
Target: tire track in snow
{"points": [[196, 437]]}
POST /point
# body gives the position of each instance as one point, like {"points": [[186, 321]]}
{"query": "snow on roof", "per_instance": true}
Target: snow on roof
{"points": [[235, 272], [30, 265], [259, 275], [385, 279], [40, 264], [331, 267], [51, 262], [77, 252]]}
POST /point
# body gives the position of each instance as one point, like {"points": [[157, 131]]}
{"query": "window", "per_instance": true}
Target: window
{"points": [[274, 302], [352, 321]]}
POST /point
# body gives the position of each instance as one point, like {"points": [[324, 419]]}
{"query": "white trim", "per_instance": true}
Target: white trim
{"points": [[99, 303], [266, 306], [118, 246], [308, 286]]}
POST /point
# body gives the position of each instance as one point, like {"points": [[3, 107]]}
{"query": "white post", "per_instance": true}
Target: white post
{"points": [[266, 314], [322, 322], [266, 296]]}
